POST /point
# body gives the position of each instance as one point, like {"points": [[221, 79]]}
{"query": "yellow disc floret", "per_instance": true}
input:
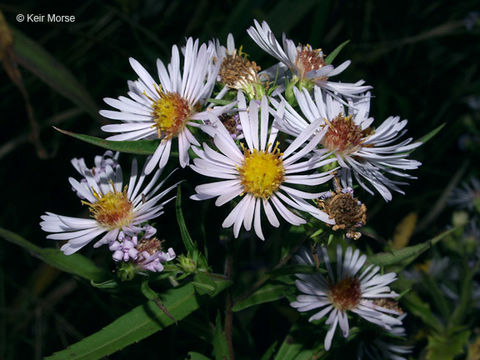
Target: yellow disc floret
{"points": [[262, 172], [170, 112], [113, 209]]}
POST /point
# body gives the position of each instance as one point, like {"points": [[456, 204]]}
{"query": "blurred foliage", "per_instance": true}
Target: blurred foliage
{"points": [[421, 59]]}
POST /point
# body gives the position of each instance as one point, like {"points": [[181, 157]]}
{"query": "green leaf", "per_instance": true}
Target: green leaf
{"points": [[219, 101], [109, 284], [36, 59], [267, 293], [186, 238], [75, 264], [140, 147], [192, 355], [407, 254], [220, 347], [417, 307], [447, 347], [293, 349], [270, 351], [329, 59], [204, 284], [465, 303], [137, 324], [431, 134]]}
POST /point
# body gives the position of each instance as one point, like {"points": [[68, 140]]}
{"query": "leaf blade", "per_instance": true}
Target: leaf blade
{"points": [[139, 323], [138, 147], [42, 64], [75, 264]]}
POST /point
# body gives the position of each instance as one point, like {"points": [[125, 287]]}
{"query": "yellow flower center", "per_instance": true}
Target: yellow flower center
{"points": [[346, 294], [170, 113], [262, 172], [344, 135], [112, 210]]}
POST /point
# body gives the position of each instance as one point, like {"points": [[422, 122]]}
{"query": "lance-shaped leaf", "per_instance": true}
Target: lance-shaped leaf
{"points": [[267, 293], [329, 59], [220, 347], [75, 264], [293, 348], [36, 59], [140, 147], [407, 254], [137, 324], [186, 238]]}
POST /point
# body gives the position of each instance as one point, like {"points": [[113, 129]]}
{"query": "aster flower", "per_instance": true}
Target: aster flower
{"points": [[351, 290], [366, 152], [146, 253], [236, 71], [304, 62], [100, 165], [466, 196], [260, 172], [170, 109], [113, 207], [383, 349]]}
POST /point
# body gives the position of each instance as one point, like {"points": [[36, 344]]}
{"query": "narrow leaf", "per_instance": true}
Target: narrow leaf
{"points": [[431, 134], [186, 238], [267, 293], [140, 147], [417, 307], [220, 347], [408, 253], [75, 264], [329, 59], [36, 59], [137, 324], [204, 284], [270, 351], [192, 355]]}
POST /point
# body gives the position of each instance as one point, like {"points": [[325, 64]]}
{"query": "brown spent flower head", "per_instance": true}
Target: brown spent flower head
{"points": [[231, 123], [347, 211], [345, 294], [309, 59], [151, 246], [344, 135], [237, 71], [389, 304]]}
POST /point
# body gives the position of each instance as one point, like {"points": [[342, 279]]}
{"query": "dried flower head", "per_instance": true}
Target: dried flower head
{"points": [[347, 211]]}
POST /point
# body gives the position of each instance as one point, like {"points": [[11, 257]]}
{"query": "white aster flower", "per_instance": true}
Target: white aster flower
{"points": [[351, 290], [100, 161], [385, 345], [466, 196], [304, 62], [169, 109], [366, 152], [113, 207], [260, 172], [383, 350]]}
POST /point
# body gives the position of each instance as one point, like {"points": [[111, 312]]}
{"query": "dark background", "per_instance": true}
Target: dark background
{"points": [[420, 57]]}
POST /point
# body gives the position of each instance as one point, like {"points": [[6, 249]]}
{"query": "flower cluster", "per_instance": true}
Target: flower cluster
{"points": [[271, 141], [119, 212]]}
